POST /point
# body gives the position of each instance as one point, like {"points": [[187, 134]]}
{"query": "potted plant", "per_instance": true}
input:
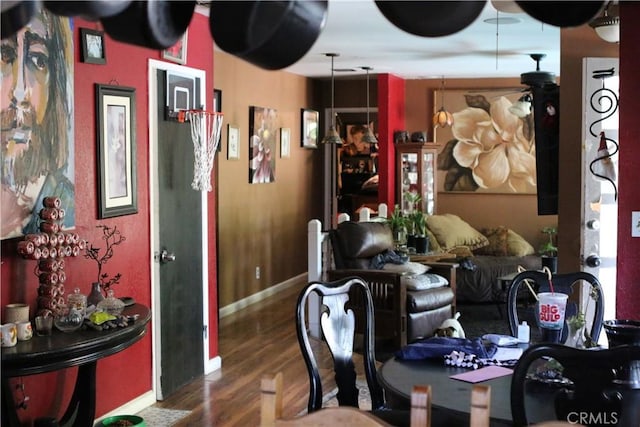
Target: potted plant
{"points": [[412, 201], [398, 223], [548, 250], [420, 231]]}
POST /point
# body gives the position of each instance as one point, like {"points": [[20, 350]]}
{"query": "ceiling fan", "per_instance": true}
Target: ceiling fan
{"points": [[537, 78]]}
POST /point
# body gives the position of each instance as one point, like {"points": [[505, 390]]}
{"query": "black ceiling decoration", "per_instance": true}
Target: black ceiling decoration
{"points": [[562, 13], [269, 34], [431, 18]]}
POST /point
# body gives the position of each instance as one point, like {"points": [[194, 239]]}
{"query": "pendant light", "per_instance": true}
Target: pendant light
{"points": [[368, 136], [442, 118], [332, 137]]}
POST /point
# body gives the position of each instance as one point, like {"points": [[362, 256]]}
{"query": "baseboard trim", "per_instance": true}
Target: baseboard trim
{"points": [[133, 406], [259, 296]]}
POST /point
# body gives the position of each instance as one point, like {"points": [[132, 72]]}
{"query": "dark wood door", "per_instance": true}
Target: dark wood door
{"points": [[180, 213]]}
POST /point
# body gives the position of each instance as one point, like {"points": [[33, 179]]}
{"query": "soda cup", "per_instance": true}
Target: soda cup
{"points": [[551, 311]]}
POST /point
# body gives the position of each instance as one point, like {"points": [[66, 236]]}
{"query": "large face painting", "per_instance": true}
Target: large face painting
{"points": [[36, 112]]}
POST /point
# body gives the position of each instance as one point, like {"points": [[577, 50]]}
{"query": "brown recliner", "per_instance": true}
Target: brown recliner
{"points": [[402, 315]]}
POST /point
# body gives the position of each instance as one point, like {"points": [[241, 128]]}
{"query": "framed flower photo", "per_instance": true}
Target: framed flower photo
{"points": [[491, 133], [309, 128]]}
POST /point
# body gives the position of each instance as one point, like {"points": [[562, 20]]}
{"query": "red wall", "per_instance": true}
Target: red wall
{"points": [[391, 113], [628, 289], [128, 374]]}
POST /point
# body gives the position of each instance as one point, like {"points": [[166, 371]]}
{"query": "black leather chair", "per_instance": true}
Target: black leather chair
{"points": [[596, 386], [338, 323], [563, 283], [402, 315]]}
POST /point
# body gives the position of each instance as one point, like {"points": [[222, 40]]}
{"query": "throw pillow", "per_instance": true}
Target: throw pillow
{"points": [[517, 245], [451, 231], [409, 268], [497, 242], [422, 282], [461, 251]]}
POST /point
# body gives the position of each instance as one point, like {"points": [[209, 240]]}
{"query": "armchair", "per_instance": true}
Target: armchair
{"points": [[402, 313]]}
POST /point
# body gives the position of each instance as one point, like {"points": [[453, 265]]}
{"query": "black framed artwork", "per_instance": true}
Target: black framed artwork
{"points": [[93, 46], [116, 127]]}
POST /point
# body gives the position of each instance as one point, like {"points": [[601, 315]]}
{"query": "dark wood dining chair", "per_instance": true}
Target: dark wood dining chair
{"points": [[563, 283], [338, 324], [272, 405], [601, 386]]}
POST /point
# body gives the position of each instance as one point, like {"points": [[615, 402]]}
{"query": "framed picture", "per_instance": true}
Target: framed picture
{"points": [[263, 133], [116, 125], [93, 49], [309, 128], [285, 143], [233, 142], [492, 134], [177, 52], [217, 106]]}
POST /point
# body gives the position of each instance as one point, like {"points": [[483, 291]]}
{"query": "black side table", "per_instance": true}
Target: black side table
{"points": [[82, 348]]}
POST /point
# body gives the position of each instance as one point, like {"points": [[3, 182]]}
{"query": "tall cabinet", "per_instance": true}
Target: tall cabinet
{"points": [[416, 173]]}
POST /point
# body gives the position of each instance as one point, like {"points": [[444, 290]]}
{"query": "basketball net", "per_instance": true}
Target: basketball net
{"points": [[205, 133]]}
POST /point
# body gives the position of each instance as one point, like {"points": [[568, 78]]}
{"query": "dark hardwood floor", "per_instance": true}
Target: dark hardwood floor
{"points": [[256, 340]]}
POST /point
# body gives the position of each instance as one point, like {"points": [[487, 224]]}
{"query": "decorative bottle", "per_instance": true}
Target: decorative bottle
{"points": [[96, 294], [523, 332]]}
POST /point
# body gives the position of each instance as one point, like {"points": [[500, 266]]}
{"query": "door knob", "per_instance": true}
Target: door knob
{"points": [[593, 261], [165, 256]]}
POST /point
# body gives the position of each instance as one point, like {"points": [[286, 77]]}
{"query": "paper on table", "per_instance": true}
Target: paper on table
{"points": [[507, 353], [483, 374]]}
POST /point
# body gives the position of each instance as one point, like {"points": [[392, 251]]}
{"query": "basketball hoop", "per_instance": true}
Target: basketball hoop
{"points": [[205, 133]]}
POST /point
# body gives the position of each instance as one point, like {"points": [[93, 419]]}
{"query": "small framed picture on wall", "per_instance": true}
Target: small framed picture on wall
{"points": [[285, 143], [309, 128], [177, 52], [92, 42], [233, 142]]}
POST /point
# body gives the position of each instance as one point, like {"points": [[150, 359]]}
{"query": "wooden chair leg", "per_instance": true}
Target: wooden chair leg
{"points": [[421, 406], [480, 406], [271, 399]]}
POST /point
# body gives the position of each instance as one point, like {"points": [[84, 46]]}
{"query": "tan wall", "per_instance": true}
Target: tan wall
{"points": [[518, 212], [263, 225]]}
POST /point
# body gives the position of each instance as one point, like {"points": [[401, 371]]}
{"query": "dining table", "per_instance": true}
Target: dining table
{"points": [[451, 400]]}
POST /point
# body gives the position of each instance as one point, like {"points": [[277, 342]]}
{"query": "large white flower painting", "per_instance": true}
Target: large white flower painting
{"points": [[490, 149]]}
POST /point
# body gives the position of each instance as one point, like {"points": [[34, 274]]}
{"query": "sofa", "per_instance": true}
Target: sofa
{"points": [[411, 300], [483, 256]]}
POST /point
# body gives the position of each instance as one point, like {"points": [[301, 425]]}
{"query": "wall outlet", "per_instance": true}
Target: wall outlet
{"points": [[257, 272]]}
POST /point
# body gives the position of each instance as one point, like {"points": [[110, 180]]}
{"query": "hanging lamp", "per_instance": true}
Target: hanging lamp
{"points": [[368, 136], [332, 137], [442, 118]]}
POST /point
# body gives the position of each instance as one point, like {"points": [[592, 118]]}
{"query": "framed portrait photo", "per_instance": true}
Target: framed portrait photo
{"points": [[309, 128], [233, 142], [178, 52], [116, 125], [285, 143], [93, 50]]}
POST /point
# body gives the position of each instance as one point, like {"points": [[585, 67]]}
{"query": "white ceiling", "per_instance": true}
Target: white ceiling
{"points": [[362, 36]]}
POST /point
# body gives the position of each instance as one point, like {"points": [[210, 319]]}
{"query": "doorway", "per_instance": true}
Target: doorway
{"points": [[179, 270], [600, 206]]}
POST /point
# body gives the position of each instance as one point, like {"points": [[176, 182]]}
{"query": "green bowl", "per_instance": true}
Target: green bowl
{"points": [[112, 421]]}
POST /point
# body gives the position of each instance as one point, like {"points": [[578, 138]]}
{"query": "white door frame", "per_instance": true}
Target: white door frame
{"points": [[156, 316]]}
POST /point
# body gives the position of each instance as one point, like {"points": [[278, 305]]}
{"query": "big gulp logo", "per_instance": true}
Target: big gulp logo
{"points": [[549, 313]]}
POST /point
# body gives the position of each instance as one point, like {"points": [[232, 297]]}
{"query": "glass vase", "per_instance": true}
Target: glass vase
{"points": [[96, 294], [575, 336]]}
